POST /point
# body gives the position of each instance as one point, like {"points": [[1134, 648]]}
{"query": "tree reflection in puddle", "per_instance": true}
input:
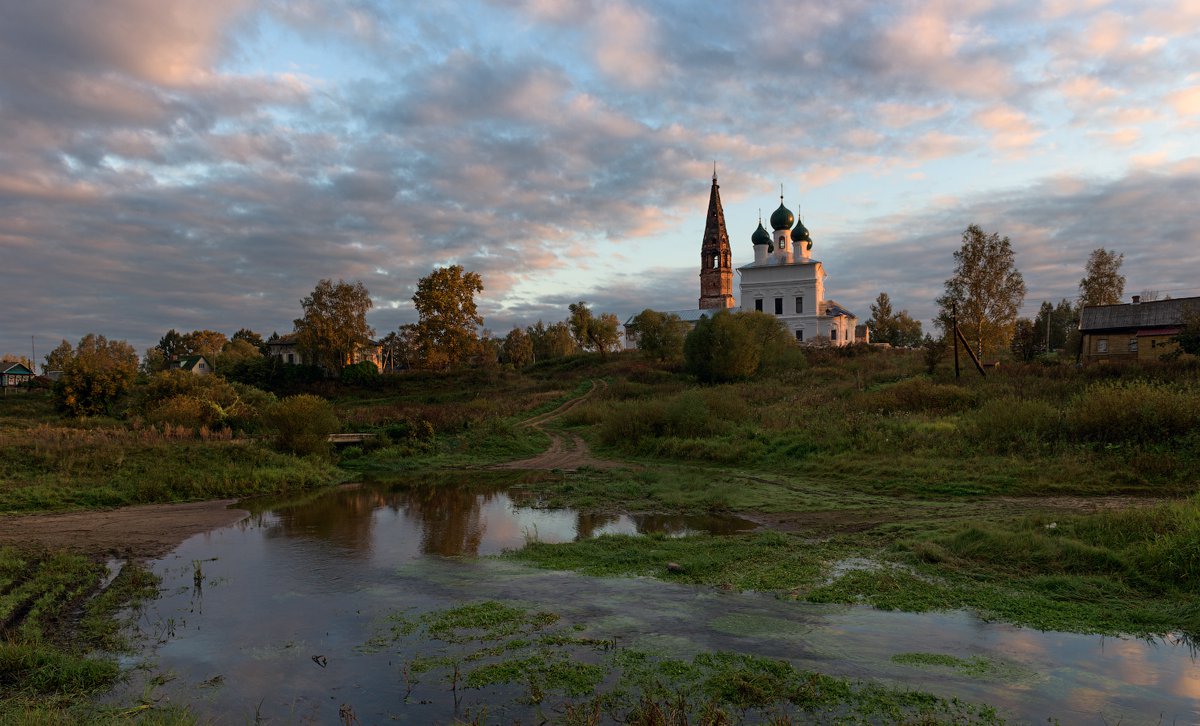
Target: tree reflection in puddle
{"points": [[292, 594]]}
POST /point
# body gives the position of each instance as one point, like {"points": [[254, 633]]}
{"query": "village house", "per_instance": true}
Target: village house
{"points": [[1134, 331], [13, 375], [286, 348], [783, 280], [196, 364]]}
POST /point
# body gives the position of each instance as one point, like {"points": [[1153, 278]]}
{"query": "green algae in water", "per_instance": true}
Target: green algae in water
{"points": [[975, 666]]}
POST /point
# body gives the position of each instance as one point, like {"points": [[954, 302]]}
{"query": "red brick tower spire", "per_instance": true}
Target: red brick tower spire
{"points": [[716, 263]]}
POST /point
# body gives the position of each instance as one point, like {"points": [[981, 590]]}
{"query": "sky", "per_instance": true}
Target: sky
{"points": [[201, 165]]}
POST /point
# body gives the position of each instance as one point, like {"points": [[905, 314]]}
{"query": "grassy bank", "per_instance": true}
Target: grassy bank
{"points": [[60, 633], [49, 462]]}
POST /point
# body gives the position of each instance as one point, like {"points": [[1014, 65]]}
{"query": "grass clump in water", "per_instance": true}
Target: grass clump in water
{"points": [[485, 647]]}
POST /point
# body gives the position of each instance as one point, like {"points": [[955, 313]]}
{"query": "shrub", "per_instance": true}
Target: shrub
{"points": [[922, 395], [359, 374], [1010, 424], [180, 398], [1137, 411], [302, 424]]}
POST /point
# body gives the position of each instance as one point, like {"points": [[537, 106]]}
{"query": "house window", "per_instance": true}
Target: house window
{"points": [[799, 336], [799, 305], [1133, 345], [833, 334], [779, 306], [1102, 345], [291, 358], [758, 304]]}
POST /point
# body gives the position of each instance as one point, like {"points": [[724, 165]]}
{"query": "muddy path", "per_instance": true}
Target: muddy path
{"points": [[149, 530], [567, 451]]}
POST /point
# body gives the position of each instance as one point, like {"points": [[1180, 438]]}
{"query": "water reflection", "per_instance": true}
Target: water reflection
{"points": [[457, 520], [316, 577]]}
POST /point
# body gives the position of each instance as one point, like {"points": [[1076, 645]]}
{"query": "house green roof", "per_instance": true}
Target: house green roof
{"points": [[15, 369]]}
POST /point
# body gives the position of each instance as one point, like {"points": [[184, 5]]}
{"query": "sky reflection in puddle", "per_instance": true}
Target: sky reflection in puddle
{"points": [[317, 579]]}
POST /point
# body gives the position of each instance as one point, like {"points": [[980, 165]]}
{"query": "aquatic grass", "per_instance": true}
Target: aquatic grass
{"points": [[760, 561], [582, 677], [976, 666]]}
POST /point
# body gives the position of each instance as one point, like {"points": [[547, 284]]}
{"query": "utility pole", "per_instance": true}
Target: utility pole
{"points": [[954, 322]]}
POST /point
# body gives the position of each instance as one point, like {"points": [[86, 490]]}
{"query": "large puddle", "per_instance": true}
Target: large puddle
{"points": [[267, 619]]}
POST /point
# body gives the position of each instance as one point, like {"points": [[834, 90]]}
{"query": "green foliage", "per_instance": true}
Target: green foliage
{"points": [[518, 349], [57, 359], [735, 346], [1111, 412], [99, 372], [334, 326], [660, 336], [896, 329], [551, 342], [922, 394], [365, 373], [596, 333], [446, 333], [1102, 283], [302, 424], [986, 289], [1188, 338], [182, 399], [237, 351]]}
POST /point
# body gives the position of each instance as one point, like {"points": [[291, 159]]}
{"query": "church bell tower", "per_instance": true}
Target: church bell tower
{"points": [[716, 262]]}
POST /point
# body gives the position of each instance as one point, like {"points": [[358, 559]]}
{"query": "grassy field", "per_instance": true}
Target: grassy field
{"points": [[1041, 495]]}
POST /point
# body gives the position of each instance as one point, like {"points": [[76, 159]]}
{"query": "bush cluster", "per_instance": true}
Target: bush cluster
{"points": [[182, 399]]}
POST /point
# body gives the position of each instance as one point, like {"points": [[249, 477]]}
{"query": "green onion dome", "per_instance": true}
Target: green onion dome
{"points": [[760, 236], [782, 218], [800, 233]]}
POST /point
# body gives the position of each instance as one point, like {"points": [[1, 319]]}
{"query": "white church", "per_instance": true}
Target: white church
{"points": [[783, 280]]}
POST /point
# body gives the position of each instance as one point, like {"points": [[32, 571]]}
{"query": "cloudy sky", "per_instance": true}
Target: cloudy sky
{"points": [[194, 165]]}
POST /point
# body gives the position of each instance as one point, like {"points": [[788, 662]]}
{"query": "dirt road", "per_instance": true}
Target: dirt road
{"points": [[567, 451]]}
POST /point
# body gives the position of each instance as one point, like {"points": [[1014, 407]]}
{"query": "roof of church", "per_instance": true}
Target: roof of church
{"points": [[800, 233], [782, 218], [714, 225], [761, 236]]}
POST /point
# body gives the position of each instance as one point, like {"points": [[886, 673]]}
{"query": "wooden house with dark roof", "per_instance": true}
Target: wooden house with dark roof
{"points": [[14, 374], [196, 364], [1135, 331]]}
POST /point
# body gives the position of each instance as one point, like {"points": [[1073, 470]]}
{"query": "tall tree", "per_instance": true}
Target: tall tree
{"points": [[897, 329], [252, 338], [551, 341], [1102, 283], [518, 348], [660, 335], [334, 327], [987, 290], [1025, 341], [601, 334], [207, 343], [99, 372], [448, 321], [57, 359]]}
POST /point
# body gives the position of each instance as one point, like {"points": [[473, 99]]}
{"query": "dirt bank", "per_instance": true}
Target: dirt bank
{"points": [[149, 530]]}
